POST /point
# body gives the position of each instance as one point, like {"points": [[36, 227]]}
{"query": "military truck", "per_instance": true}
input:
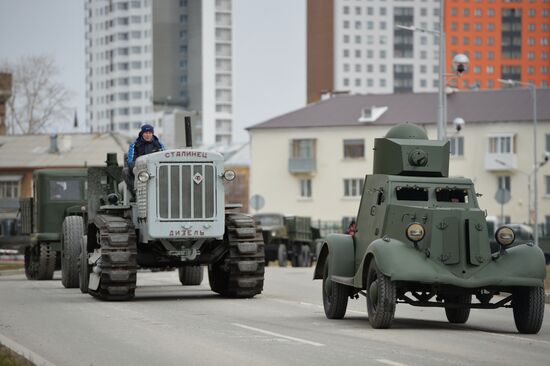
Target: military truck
{"points": [[177, 219], [56, 194], [288, 238], [422, 240]]}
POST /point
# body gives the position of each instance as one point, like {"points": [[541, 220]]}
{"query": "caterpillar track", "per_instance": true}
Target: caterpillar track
{"points": [[240, 273], [116, 266]]}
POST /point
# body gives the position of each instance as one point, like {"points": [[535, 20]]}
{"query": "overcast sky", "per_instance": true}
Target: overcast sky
{"points": [[269, 51]]}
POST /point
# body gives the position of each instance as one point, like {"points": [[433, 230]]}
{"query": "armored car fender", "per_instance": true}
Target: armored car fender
{"points": [[339, 249], [401, 262]]}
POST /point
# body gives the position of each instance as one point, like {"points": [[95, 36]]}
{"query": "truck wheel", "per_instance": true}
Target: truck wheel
{"points": [[240, 273], [191, 275], [72, 233], [381, 298], [83, 267], [295, 256], [335, 296], [528, 306], [461, 314], [282, 255], [305, 256], [39, 262]]}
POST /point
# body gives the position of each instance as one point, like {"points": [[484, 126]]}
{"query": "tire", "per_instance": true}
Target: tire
{"points": [[282, 255], [528, 306], [381, 298], [39, 262], [72, 233], [191, 275], [461, 314], [240, 272], [305, 256], [83, 267], [335, 296]]}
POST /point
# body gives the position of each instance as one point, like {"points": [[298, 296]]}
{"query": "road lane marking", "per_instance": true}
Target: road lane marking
{"points": [[24, 352], [390, 362], [305, 341]]}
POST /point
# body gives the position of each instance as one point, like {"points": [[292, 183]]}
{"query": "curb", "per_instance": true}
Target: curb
{"points": [[11, 272]]}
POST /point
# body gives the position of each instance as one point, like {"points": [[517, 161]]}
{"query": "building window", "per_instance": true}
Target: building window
{"points": [[353, 187], [354, 149], [457, 146], [9, 189], [501, 144], [305, 188], [504, 182], [302, 149]]}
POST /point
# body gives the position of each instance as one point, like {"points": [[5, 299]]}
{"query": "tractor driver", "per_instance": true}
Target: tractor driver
{"points": [[146, 143]]}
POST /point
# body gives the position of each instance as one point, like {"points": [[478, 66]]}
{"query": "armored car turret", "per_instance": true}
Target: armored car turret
{"points": [[422, 240]]}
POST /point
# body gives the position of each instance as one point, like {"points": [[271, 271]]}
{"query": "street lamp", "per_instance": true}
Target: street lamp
{"points": [[533, 89], [460, 62]]}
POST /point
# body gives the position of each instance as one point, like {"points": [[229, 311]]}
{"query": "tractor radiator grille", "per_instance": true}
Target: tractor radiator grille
{"points": [[186, 191]]}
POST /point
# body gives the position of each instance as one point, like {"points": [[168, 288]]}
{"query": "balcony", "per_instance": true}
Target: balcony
{"points": [[301, 165], [500, 162]]}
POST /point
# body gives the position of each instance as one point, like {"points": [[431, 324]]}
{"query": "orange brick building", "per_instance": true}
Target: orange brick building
{"points": [[504, 39]]}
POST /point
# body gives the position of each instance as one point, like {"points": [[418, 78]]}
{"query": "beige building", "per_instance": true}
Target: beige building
{"points": [[313, 161]]}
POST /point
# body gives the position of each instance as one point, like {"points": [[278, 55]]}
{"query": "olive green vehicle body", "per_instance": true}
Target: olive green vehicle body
{"points": [[410, 184], [43, 214]]}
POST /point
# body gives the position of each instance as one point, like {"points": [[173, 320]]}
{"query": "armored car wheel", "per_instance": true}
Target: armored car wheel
{"points": [[381, 298], [458, 315], [240, 273], [191, 275], [335, 296], [528, 306], [282, 255], [113, 275], [39, 262], [72, 233]]}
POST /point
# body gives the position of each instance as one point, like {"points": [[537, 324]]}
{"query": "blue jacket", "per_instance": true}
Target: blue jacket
{"points": [[141, 147]]}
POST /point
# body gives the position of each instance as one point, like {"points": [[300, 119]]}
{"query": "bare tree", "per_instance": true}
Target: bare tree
{"points": [[38, 100]]}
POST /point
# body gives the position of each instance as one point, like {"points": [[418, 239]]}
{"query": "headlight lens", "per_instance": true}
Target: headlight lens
{"points": [[415, 232], [143, 176], [229, 175], [505, 236], [273, 233]]}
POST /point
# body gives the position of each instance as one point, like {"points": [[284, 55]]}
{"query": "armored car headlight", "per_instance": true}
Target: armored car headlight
{"points": [[505, 236], [415, 232], [229, 175], [143, 176]]}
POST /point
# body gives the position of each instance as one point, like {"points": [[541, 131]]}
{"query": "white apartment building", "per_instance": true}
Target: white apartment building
{"points": [[313, 161], [371, 55], [148, 59]]}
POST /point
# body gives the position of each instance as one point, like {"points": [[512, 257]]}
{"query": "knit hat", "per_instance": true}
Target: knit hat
{"points": [[147, 128]]}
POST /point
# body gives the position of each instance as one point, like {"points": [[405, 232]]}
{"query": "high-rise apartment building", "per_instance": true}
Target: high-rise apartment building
{"points": [[368, 53], [504, 39], [148, 59]]}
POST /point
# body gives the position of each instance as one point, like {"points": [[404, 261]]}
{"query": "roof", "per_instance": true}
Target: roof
{"points": [[235, 154], [75, 150], [420, 108]]}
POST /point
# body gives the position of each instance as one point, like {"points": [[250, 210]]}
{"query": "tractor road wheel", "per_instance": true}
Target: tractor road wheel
{"points": [[381, 298], [72, 233], [117, 264], [83, 267], [39, 262], [191, 275], [458, 315], [282, 255], [335, 296], [528, 306], [240, 272]]}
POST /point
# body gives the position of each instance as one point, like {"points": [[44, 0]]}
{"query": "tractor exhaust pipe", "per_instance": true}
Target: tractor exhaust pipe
{"points": [[188, 133]]}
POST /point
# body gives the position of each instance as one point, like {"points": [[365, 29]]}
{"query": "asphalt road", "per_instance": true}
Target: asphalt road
{"points": [[168, 324]]}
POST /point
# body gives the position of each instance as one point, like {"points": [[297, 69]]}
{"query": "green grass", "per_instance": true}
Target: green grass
{"points": [[11, 265], [10, 358]]}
